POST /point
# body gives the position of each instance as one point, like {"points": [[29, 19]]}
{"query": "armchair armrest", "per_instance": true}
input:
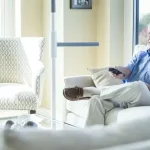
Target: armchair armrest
{"points": [[82, 81], [38, 79]]}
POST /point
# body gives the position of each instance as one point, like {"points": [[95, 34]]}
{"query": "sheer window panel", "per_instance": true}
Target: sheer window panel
{"points": [[143, 21], [10, 18]]}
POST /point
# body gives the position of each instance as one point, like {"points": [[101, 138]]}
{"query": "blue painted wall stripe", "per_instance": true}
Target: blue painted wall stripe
{"points": [[77, 44]]}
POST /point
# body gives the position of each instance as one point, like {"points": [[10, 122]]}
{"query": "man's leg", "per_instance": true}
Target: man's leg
{"points": [[97, 110], [132, 94], [90, 91], [145, 95], [129, 93]]}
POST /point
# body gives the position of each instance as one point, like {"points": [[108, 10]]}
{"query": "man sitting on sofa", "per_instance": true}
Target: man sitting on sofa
{"points": [[137, 75]]}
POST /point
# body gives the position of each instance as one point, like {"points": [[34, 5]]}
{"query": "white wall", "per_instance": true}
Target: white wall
{"points": [[46, 60], [32, 17], [114, 36], [79, 26], [116, 32], [103, 32]]}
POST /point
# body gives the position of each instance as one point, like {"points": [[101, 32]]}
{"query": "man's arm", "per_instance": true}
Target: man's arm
{"points": [[128, 69]]}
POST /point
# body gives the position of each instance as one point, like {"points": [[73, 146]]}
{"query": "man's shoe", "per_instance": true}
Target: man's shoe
{"points": [[74, 94]]}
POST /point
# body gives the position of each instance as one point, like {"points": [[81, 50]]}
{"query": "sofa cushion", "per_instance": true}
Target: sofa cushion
{"points": [[133, 113], [75, 120], [79, 121], [111, 116], [17, 96], [81, 81], [79, 108], [103, 78]]}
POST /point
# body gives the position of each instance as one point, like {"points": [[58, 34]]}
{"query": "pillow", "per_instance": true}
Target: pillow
{"points": [[101, 77], [95, 70]]}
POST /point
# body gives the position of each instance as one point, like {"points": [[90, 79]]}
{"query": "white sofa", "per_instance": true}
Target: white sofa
{"points": [[132, 135], [76, 112]]}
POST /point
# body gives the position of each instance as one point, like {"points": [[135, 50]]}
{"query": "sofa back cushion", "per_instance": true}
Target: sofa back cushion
{"points": [[101, 77]]}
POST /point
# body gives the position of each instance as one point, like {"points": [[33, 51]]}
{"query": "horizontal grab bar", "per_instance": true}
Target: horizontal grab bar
{"points": [[77, 44]]}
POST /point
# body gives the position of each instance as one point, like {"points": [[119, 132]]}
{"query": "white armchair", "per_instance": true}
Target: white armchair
{"points": [[21, 73], [77, 111]]}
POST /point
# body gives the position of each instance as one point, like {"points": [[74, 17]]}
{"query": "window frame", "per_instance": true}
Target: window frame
{"points": [[135, 22]]}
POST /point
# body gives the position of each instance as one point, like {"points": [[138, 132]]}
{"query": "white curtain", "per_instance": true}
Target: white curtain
{"points": [[10, 21]]}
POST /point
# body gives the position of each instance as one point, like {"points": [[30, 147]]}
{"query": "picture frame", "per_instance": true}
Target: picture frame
{"points": [[80, 4]]}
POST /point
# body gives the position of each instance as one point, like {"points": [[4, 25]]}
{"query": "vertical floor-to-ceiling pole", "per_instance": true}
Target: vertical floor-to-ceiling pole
{"points": [[54, 45], [53, 62]]}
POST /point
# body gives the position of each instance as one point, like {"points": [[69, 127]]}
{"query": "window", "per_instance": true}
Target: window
{"points": [[141, 20], [10, 18]]}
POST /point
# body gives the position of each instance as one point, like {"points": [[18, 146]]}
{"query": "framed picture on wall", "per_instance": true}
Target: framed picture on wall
{"points": [[80, 4]]}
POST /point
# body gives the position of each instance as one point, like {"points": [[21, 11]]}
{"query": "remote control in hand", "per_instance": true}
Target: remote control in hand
{"points": [[115, 71]]}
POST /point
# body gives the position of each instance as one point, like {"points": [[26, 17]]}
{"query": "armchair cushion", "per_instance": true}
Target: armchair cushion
{"points": [[17, 97]]}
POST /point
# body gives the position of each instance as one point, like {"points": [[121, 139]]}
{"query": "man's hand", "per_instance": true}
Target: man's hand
{"points": [[120, 76], [124, 70]]}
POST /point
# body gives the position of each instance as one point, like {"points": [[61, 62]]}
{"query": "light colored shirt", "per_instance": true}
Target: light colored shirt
{"points": [[140, 67]]}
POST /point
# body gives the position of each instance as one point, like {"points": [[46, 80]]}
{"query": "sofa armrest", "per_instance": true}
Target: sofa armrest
{"points": [[81, 81]]}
